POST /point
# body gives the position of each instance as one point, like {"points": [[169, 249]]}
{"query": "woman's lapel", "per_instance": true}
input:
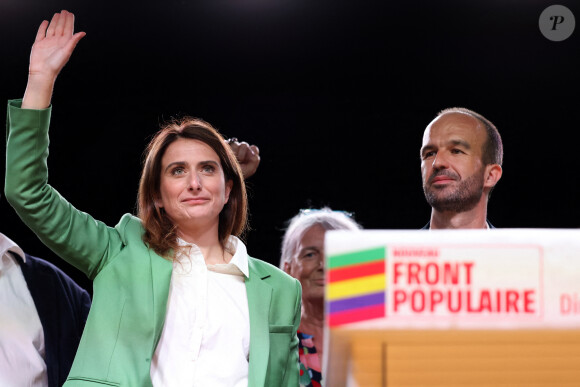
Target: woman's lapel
{"points": [[161, 270], [259, 295]]}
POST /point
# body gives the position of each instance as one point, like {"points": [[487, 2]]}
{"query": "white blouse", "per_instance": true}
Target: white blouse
{"points": [[206, 335]]}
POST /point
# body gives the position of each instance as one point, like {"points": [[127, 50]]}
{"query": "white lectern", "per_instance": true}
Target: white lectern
{"points": [[497, 307]]}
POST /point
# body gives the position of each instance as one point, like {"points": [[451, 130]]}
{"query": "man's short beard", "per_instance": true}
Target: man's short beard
{"points": [[463, 198]]}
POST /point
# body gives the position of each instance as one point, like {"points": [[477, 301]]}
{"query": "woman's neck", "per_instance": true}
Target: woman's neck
{"points": [[208, 243]]}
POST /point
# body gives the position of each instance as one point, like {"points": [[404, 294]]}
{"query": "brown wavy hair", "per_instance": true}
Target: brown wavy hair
{"points": [[160, 232]]}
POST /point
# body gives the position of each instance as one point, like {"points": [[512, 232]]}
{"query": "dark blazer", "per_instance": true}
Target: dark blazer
{"points": [[426, 227], [63, 307]]}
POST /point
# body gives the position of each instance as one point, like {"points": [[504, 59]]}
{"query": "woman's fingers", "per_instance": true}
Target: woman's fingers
{"points": [[69, 24], [52, 26], [41, 33], [60, 23], [72, 43]]}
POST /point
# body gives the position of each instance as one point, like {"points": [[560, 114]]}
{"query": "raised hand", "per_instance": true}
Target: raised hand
{"points": [[52, 48], [248, 156], [54, 45]]}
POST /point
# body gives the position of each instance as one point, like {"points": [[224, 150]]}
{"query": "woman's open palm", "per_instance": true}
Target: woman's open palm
{"points": [[54, 44]]}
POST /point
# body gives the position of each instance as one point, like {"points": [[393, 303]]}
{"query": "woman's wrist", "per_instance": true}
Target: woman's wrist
{"points": [[38, 91]]}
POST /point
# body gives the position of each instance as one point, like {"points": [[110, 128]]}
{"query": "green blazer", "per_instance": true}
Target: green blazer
{"points": [[130, 281]]}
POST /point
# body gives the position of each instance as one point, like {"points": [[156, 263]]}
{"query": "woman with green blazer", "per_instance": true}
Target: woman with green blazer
{"points": [[177, 301]]}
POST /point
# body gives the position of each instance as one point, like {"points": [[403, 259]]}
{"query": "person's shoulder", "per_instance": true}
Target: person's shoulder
{"points": [[43, 278], [40, 265], [129, 220], [130, 227]]}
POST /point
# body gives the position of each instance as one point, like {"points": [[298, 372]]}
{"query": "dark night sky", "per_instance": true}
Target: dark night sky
{"points": [[335, 93]]}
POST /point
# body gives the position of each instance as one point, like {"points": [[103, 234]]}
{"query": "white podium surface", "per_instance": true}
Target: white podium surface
{"points": [[486, 294]]}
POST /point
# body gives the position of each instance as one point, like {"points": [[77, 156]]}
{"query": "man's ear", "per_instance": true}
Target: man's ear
{"points": [[492, 175]]}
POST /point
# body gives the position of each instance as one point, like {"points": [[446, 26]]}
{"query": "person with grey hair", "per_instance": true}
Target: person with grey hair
{"points": [[302, 257], [461, 162]]}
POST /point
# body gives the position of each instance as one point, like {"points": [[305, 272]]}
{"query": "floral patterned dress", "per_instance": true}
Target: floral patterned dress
{"points": [[310, 370]]}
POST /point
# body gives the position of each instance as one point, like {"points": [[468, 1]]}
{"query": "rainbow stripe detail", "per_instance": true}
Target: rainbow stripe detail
{"points": [[356, 284]]}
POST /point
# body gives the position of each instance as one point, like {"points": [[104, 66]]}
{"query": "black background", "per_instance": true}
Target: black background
{"points": [[336, 94]]}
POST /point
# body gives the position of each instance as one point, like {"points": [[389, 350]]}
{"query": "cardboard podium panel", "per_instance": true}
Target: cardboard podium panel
{"points": [[452, 308]]}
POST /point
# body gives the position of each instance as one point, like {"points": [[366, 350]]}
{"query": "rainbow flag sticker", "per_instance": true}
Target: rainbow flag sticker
{"points": [[356, 285]]}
